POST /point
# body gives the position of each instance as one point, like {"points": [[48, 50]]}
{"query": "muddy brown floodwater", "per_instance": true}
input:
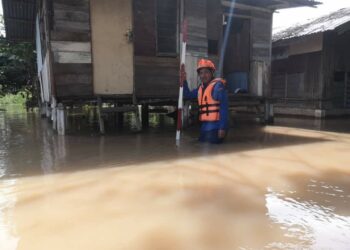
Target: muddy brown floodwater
{"points": [[277, 187]]}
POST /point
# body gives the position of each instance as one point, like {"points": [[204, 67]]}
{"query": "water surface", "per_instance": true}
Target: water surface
{"points": [[280, 187]]}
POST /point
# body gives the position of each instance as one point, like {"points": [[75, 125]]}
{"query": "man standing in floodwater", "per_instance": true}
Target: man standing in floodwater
{"points": [[212, 102]]}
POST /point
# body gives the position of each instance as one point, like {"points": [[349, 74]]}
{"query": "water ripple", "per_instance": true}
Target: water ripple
{"points": [[308, 223]]}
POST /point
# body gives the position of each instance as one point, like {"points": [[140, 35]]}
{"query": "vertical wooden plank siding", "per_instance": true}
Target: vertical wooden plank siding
{"points": [[156, 74], [197, 45], [214, 29], [196, 14], [156, 77], [237, 57], [167, 20], [299, 61], [145, 27], [328, 68], [261, 35], [71, 48]]}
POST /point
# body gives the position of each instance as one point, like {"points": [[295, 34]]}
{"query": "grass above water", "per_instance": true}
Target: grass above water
{"points": [[18, 99]]}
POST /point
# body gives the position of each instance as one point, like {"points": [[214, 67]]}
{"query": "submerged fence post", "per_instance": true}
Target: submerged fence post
{"points": [[61, 119], [54, 113], [48, 110], [100, 115], [138, 113], [269, 112], [145, 116]]}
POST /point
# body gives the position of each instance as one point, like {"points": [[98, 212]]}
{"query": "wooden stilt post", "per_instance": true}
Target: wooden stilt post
{"points": [[66, 114], [54, 114], [138, 117], [100, 115], [48, 110], [145, 116], [43, 108], [61, 119], [266, 111], [269, 112], [120, 117]]}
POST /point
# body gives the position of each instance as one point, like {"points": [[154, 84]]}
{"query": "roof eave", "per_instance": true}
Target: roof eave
{"points": [[19, 19], [285, 4]]}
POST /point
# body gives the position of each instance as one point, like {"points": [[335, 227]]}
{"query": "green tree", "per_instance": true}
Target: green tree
{"points": [[17, 67]]}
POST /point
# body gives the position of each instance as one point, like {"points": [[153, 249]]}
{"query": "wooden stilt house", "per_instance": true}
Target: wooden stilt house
{"points": [[311, 67], [128, 50]]}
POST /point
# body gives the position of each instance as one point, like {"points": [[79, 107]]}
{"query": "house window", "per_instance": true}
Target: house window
{"points": [[167, 27]]}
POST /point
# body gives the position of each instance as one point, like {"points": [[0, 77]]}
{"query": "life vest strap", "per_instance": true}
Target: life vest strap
{"points": [[209, 111], [209, 105]]}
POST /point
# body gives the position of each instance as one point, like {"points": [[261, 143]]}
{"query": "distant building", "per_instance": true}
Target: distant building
{"points": [[311, 67]]}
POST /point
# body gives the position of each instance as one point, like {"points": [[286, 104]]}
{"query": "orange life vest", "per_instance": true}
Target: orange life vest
{"points": [[209, 109]]}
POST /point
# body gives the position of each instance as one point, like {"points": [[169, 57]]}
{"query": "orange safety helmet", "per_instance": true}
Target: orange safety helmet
{"points": [[205, 63]]}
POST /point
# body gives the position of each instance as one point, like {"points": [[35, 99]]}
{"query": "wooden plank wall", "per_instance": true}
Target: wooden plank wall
{"points": [[71, 48], [341, 90], [155, 76], [313, 76], [342, 52], [214, 29], [214, 20], [261, 35], [279, 85], [329, 61], [145, 27], [196, 14], [167, 27], [347, 90], [258, 61], [298, 77], [197, 45], [237, 56]]}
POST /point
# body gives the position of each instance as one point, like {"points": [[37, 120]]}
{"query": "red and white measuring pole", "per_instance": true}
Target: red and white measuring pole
{"points": [[183, 61]]}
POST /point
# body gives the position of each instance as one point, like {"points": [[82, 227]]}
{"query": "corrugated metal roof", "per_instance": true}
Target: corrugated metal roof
{"points": [[19, 17], [276, 4], [319, 25], [284, 4]]}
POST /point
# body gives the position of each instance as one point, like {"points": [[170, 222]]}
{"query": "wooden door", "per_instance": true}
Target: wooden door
{"points": [[113, 63], [237, 58]]}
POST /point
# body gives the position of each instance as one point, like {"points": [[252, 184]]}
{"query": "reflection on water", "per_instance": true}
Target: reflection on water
{"points": [[3, 144], [265, 188], [307, 222], [331, 124]]}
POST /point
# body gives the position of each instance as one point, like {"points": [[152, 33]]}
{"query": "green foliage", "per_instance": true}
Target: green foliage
{"points": [[17, 67], [18, 99]]}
